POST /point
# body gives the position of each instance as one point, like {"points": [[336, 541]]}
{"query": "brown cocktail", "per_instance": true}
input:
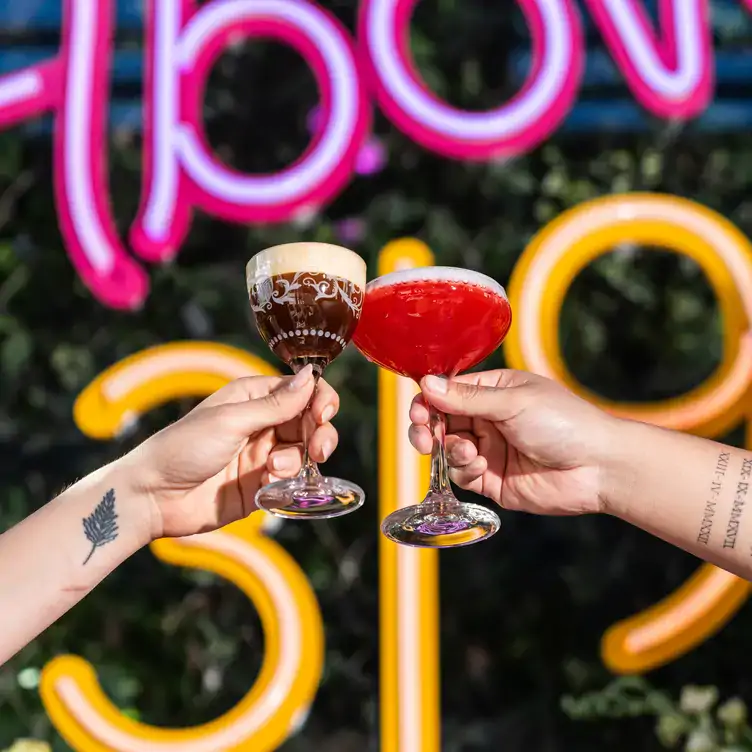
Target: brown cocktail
{"points": [[307, 299]]}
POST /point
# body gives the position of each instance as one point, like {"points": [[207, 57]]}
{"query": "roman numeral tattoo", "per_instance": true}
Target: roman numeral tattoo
{"points": [[737, 508], [716, 484]]}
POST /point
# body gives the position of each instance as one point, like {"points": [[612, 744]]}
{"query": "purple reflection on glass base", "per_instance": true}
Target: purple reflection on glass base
{"points": [[440, 521], [315, 498], [443, 527], [305, 501]]}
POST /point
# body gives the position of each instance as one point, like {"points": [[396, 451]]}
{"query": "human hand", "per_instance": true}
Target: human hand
{"points": [[203, 471], [522, 440]]}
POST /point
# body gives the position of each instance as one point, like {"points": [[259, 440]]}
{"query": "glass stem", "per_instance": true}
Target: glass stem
{"points": [[310, 470], [440, 484]]}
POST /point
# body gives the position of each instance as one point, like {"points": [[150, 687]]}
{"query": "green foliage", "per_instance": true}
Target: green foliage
{"points": [[696, 723], [522, 614]]}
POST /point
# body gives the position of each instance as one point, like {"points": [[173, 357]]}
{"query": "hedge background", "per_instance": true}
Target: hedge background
{"points": [[522, 615]]}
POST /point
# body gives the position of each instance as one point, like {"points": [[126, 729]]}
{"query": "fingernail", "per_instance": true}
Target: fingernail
{"points": [[326, 449], [436, 384], [327, 414], [281, 462], [302, 377]]}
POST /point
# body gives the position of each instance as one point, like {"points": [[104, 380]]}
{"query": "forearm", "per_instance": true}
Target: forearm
{"points": [[53, 558], [692, 492]]}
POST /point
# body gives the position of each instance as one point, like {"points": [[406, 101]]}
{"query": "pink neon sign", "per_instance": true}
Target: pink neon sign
{"points": [[183, 43], [668, 70]]}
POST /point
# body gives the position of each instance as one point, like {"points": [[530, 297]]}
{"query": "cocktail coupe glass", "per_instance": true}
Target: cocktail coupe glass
{"points": [[307, 299], [436, 321]]}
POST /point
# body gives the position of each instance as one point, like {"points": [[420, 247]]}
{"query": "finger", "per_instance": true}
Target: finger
{"points": [[325, 403], [469, 476], [420, 438], [323, 442], [281, 405], [459, 398], [324, 406], [501, 377], [242, 390], [419, 411], [420, 416], [461, 450], [284, 460]]}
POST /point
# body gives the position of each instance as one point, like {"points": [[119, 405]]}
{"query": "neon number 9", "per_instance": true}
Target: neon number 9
{"points": [[240, 553], [539, 284]]}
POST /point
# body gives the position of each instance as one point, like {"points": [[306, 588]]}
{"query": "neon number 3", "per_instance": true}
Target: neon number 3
{"points": [[293, 629]]}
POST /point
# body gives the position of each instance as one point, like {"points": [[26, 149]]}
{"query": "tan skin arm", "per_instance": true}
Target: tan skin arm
{"points": [[689, 491]]}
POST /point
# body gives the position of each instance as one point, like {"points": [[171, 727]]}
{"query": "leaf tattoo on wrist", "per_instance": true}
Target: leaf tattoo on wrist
{"points": [[100, 527]]}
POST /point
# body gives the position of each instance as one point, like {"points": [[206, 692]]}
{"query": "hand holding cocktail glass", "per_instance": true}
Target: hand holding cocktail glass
{"points": [[308, 299], [435, 321]]}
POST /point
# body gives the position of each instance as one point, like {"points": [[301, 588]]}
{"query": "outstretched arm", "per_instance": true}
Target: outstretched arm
{"points": [[53, 558], [196, 475]]}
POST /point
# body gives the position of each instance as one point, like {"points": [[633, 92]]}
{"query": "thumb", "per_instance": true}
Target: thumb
{"points": [[287, 401], [457, 398]]}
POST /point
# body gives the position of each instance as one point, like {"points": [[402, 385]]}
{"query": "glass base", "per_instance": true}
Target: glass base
{"points": [[317, 498], [440, 522]]}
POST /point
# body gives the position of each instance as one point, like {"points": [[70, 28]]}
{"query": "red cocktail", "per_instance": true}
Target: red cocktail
{"points": [[438, 321]]}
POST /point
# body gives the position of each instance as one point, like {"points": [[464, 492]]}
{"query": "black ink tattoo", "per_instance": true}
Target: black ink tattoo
{"points": [[100, 526], [715, 491], [740, 499]]}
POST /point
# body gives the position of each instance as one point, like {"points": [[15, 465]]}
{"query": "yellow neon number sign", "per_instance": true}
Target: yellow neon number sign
{"points": [[240, 552], [540, 281], [409, 580]]}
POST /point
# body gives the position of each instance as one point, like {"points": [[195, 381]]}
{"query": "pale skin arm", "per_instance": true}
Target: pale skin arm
{"points": [[196, 475], [689, 491], [42, 558]]}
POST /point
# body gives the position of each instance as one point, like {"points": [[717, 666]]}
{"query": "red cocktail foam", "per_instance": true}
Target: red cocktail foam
{"points": [[435, 320]]}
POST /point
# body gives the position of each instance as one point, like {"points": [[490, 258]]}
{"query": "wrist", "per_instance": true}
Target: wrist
{"points": [[131, 473], [617, 462]]}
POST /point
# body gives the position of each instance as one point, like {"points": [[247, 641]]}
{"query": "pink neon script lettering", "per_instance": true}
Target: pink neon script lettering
{"points": [[670, 75], [181, 173], [524, 122], [81, 188], [29, 92], [74, 86]]}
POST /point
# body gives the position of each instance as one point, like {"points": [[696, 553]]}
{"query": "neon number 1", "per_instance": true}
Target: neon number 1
{"points": [[408, 577]]}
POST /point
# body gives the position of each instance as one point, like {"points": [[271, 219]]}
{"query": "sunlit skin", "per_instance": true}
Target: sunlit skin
{"points": [[194, 476], [531, 460], [529, 444], [206, 478]]}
